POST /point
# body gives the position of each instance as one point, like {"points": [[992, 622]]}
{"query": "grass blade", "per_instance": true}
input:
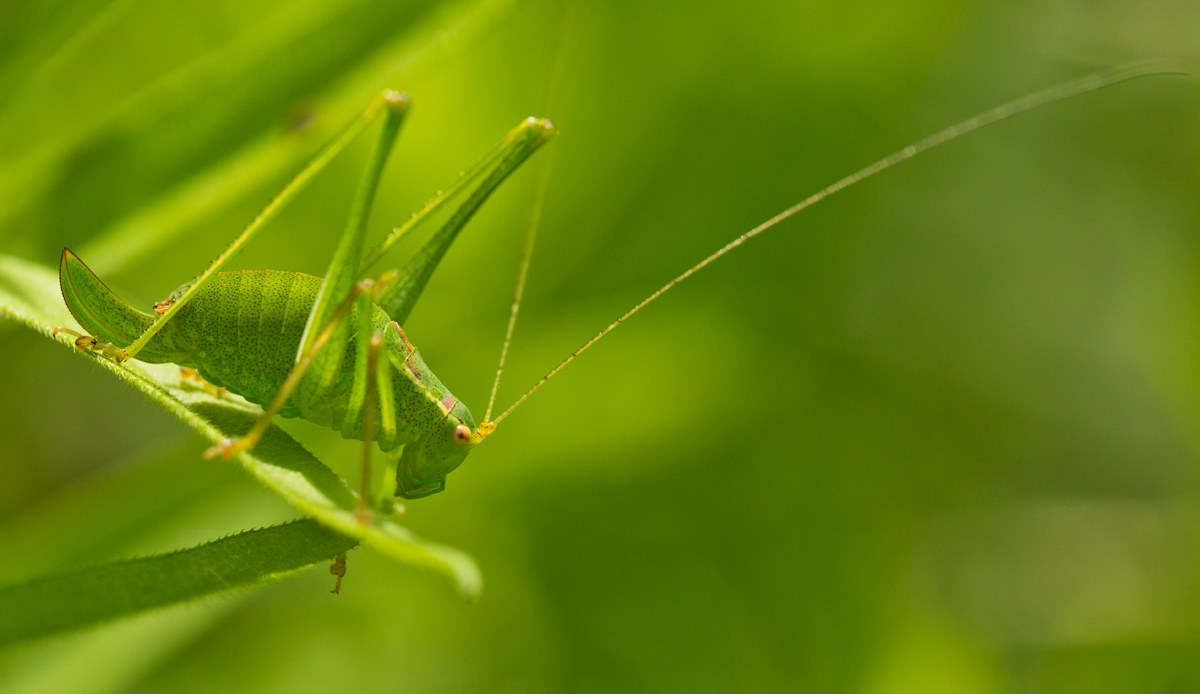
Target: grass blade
{"points": [[264, 159], [76, 599]]}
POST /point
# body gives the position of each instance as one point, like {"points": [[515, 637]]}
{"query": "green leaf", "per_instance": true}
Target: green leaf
{"points": [[148, 501], [67, 601], [261, 158], [29, 293]]}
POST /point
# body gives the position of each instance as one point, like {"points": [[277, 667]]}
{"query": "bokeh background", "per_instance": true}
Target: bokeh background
{"points": [[939, 433]]}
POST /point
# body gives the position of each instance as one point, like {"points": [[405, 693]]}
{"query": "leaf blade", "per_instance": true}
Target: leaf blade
{"points": [[75, 599], [271, 154]]}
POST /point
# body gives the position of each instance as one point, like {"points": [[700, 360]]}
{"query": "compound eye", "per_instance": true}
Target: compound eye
{"points": [[462, 435]]}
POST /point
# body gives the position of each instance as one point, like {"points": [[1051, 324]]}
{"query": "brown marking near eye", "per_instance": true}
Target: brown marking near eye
{"points": [[447, 403]]}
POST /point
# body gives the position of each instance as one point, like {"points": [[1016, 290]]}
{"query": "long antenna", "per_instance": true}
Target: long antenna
{"points": [[1065, 90], [533, 216], [555, 96]]}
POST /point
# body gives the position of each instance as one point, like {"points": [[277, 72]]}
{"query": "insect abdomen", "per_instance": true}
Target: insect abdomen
{"points": [[244, 329]]}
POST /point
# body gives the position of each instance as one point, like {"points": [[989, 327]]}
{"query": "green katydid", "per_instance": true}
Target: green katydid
{"points": [[332, 349], [305, 346]]}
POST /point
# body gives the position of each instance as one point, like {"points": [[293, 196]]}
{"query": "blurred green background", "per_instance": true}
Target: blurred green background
{"points": [[938, 434]]}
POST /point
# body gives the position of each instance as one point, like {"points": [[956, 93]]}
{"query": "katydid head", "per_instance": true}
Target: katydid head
{"points": [[425, 462]]}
